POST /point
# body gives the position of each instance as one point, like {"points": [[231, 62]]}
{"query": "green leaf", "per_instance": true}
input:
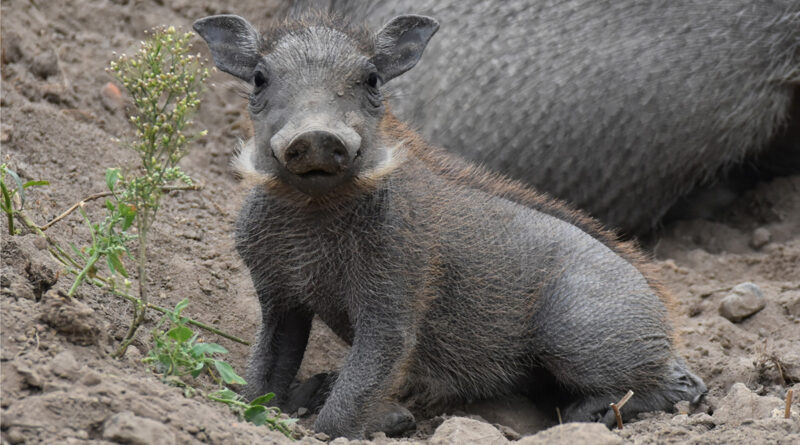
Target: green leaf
{"points": [[256, 415], [198, 368], [109, 205], [181, 306], [113, 259], [35, 184], [180, 333], [20, 186], [78, 253], [227, 373], [263, 400], [112, 176], [128, 213], [207, 348], [225, 394]]}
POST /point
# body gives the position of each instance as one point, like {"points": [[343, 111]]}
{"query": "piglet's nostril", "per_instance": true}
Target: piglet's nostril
{"points": [[340, 155], [297, 150]]}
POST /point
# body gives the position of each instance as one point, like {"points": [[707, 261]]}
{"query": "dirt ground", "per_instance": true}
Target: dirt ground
{"points": [[59, 384]]}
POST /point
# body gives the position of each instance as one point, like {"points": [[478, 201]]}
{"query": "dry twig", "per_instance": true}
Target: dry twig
{"points": [[104, 194], [617, 406]]}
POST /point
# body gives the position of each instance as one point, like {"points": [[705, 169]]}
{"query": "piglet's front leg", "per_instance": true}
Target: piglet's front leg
{"points": [[380, 343]]}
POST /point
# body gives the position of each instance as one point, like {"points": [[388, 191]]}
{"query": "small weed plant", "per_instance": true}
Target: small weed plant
{"points": [[178, 353], [13, 199]]}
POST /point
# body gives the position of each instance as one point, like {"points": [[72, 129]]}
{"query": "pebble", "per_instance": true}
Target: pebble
{"points": [[91, 378], [322, 436], [742, 405], [65, 366], [17, 435], [125, 427], [45, 65], [461, 430], [761, 236], [744, 300], [111, 97], [55, 93], [5, 133]]}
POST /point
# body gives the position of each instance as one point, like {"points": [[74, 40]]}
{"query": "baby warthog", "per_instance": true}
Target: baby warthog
{"points": [[450, 283]]}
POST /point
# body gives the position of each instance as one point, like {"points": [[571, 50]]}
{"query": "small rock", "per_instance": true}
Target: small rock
{"points": [[761, 236], [683, 407], [30, 376], [744, 300], [5, 133], [72, 318], [702, 419], [742, 405], [461, 430], [91, 378], [125, 427], [322, 436], [302, 411], [65, 366], [573, 434], [133, 353], [508, 432], [55, 93], [11, 50], [16, 435], [111, 97], [45, 65]]}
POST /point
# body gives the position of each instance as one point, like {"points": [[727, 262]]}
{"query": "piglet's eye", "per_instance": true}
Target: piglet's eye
{"points": [[372, 80], [259, 80]]}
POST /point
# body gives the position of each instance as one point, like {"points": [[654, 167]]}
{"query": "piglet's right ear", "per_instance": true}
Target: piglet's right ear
{"points": [[233, 42]]}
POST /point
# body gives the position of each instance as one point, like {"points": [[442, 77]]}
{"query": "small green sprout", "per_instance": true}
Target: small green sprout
{"points": [[10, 194]]}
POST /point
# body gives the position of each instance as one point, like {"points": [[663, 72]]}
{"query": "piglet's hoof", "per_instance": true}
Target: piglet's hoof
{"points": [[394, 420], [310, 394]]}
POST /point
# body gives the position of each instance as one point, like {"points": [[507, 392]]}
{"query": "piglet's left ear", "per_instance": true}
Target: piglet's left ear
{"points": [[400, 44]]}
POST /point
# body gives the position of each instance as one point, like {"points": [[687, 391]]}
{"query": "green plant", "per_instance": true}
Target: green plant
{"points": [[10, 194], [164, 82], [110, 237], [256, 412], [177, 353]]}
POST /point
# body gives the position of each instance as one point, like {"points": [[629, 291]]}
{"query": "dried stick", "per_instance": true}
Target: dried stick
{"points": [[103, 195], [617, 406], [787, 413]]}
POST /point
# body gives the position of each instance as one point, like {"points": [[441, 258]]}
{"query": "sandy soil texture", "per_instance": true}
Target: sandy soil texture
{"points": [[59, 384]]}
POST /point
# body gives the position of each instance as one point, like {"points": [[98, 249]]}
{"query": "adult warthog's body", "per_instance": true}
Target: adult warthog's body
{"points": [[620, 107]]}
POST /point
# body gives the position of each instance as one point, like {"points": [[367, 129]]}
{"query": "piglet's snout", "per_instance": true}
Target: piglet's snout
{"points": [[316, 151]]}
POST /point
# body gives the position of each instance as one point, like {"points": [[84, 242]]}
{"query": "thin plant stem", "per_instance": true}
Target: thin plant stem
{"points": [[109, 193]]}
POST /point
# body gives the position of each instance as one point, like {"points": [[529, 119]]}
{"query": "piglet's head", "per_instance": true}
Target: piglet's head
{"points": [[315, 97]]}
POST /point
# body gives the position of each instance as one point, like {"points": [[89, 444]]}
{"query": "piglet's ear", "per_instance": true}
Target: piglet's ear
{"points": [[400, 44], [233, 42]]}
